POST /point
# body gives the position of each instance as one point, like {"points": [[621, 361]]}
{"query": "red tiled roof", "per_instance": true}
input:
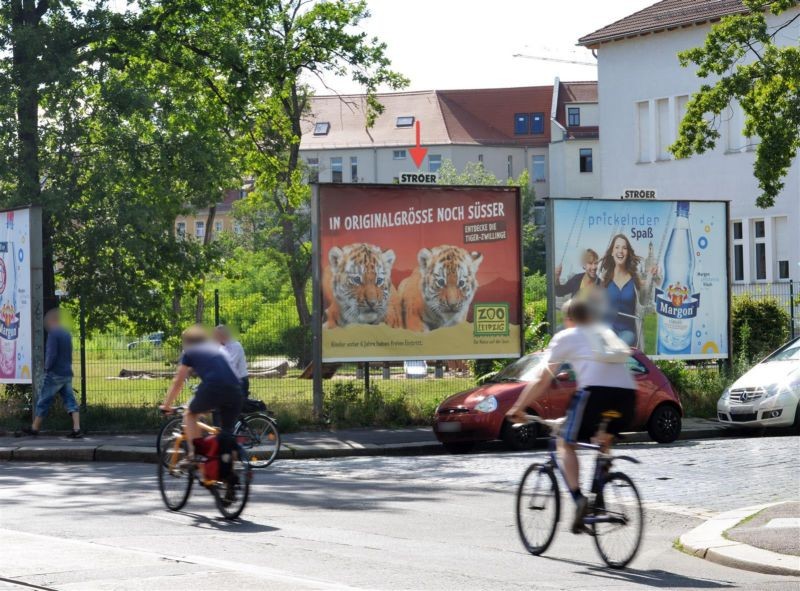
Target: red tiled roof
{"points": [[484, 116], [579, 92], [662, 16]]}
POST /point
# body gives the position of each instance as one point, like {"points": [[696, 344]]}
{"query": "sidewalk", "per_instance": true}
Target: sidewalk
{"points": [[303, 445], [762, 538]]}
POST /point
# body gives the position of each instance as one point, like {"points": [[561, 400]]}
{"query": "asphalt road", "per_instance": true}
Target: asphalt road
{"points": [[441, 522]]}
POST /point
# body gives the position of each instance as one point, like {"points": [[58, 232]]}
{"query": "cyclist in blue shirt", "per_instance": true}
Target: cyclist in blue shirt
{"points": [[219, 388]]}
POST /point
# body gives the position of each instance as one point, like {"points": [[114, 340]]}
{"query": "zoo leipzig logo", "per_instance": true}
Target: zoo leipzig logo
{"points": [[676, 302]]}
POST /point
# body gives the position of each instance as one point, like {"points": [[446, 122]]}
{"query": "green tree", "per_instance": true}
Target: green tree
{"points": [[257, 57], [113, 145], [44, 45], [475, 174], [742, 54]]}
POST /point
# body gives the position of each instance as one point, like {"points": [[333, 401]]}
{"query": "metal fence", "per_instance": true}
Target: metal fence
{"points": [[784, 292], [120, 378]]}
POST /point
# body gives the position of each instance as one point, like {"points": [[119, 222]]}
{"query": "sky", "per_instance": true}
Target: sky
{"points": [[446, 44]]}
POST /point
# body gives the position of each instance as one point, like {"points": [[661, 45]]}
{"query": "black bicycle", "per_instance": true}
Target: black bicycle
{"points": [[257, 432], [615, 518]]}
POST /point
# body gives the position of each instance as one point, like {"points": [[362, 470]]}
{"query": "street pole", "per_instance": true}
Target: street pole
{"points": [[82, 339], [37, 304], [216, 307]]}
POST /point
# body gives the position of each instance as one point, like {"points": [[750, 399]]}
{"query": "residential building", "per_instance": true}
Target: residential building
{"points": [[550, 131], [643, 92], [193, 225]]}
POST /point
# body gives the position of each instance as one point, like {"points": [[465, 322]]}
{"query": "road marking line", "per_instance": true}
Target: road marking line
{"points": [[263, 572], [24, 584]]}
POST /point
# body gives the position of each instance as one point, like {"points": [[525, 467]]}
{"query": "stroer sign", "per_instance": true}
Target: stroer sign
{"points": [[417, 272]]}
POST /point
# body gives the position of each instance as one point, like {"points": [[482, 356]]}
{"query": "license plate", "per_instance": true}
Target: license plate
{"points": [[450, 427], [741, 410]]}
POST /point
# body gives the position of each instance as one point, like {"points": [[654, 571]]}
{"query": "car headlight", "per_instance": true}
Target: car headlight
{"points": [[726, 394], [773, 390], [488, 404]]}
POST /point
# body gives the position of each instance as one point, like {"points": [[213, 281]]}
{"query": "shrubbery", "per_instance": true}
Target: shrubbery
{"points": [[348, 405], [767, 325]]}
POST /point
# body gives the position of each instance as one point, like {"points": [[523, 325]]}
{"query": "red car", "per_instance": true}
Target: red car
{"points": [[479, 414]]}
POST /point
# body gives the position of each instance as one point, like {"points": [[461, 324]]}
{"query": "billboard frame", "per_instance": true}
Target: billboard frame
{"points": [[316, 275], [551, 257]]}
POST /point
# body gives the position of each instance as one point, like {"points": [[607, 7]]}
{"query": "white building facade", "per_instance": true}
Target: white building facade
{"points": [[643, 92]]}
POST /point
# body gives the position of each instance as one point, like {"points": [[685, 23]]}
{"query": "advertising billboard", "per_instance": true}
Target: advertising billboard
{"points": [[418, 272], [660, 267], [15, 297]]}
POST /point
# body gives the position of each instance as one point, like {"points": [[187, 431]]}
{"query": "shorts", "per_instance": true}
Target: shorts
{"points": [[586, 410], [52, 385], [225, 399]]}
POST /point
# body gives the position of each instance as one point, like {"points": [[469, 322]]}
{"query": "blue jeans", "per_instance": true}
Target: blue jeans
{"points": [[51, 386]]}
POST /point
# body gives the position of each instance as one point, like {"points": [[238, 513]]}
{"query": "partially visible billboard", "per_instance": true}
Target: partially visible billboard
{"points": [[419, 272], [15, 297], [660, 267]]}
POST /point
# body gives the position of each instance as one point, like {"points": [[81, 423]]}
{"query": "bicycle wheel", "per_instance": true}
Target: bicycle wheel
{"points": [[175, 476], [170, 431], [231, 498], [620, 520], [259, 435], [538, 508]]}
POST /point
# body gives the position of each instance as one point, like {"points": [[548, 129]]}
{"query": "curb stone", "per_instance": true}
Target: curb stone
{"points": [[125, 453], [83, 453], [136, 453], [707, 541]]}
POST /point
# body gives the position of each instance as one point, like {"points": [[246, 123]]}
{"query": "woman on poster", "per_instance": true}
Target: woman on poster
{"points": [[627, 293]]}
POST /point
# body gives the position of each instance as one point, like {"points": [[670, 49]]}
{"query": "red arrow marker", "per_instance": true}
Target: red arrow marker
{"points": [[418, 154]]}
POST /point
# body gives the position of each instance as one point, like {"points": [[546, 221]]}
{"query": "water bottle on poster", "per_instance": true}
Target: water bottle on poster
{"points": [[676, 302]]}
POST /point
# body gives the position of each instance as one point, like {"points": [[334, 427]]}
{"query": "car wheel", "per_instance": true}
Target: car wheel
{"points": [[522, 438], [664, 425], [462, 447]]}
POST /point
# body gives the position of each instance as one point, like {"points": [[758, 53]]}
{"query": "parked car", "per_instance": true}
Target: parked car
{"points": [[479, 414], [155, 339], [768, 395]]}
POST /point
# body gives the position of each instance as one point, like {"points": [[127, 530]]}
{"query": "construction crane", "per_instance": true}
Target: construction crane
{"points": [[554, 59]]}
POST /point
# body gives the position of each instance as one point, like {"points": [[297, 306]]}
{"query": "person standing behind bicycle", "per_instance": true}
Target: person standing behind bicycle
{"points": [[223, 336], [219, 388], [599, 359]]}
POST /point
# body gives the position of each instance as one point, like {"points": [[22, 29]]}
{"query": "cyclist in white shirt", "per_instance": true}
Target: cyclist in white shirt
{"points": [[599, 359], [235, 351]]}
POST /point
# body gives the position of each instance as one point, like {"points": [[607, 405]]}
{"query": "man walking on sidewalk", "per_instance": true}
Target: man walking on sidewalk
{"points": [[235, 351], [57, 376]]}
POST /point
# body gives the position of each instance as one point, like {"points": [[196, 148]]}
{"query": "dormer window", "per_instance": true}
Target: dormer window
{"points": [[405, 121], [322, 128]]}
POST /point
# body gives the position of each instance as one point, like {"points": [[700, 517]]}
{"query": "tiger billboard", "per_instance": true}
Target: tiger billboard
{"points": [[418, 272]]}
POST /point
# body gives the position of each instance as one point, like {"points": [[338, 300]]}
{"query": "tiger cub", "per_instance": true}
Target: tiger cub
{"points": [[357, 285], [439, 291]]}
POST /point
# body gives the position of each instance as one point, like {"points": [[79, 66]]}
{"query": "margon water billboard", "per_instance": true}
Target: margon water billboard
{"points": [[662, 267]]}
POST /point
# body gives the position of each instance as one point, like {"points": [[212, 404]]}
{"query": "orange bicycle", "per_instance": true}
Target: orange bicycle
{"points": [[177, 473]]}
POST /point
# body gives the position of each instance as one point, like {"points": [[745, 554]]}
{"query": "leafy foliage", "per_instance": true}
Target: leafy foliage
{"points": [[475, 174], [749, 66], [759, 326]]}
